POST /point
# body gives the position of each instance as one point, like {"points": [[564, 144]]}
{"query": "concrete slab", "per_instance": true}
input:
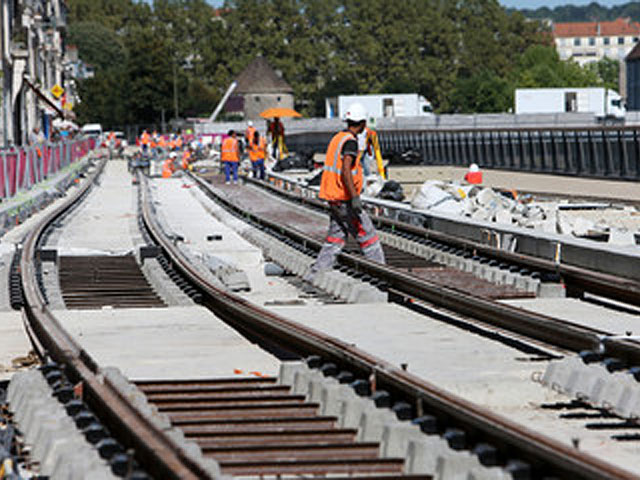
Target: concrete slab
{"points": [[102, 222], [174, 342], [488, 373], [582, 313], [186, 217]]}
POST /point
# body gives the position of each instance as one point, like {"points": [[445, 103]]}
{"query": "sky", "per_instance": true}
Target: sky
{"points": [[557, 3], [522, 3]]}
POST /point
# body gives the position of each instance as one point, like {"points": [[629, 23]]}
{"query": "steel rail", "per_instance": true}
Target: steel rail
{"points": [[547, 329], [514, 440], [599, 283], [154, 451]]}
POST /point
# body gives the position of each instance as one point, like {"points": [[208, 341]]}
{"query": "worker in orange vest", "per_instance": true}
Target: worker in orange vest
{"points": [[230, 157], [257, 154], [168, 167], [340, 186], [249, 133], [474, 175], [144, 140], [186, 156]]}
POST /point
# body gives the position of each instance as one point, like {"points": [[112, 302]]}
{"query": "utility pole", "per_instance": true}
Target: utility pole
{"points": [[175, 91]]}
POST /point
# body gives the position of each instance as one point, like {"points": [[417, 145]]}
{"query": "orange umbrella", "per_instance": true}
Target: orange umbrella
{"points": [[279, 112]]}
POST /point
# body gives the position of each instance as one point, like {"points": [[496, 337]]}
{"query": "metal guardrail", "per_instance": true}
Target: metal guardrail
{"points": [[21, 168], [598, 152]]}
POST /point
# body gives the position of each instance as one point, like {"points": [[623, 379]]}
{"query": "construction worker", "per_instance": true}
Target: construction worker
{"points": [[276, 130], [248, 133], [257, 154], [340, 186], [186, 156], [230, 157], [474, 175], [371, 149], [168, 167]]}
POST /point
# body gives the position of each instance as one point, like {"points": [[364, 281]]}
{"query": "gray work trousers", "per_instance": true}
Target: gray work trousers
{"points": [[343, 222]]}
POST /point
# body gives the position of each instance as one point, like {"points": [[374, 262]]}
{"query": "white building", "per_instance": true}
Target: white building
{"points": [[591, 41], [31, 60]]}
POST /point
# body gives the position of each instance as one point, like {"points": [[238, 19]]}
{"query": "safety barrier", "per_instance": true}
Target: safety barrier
{"points": [[604, 152], [21, 168]]}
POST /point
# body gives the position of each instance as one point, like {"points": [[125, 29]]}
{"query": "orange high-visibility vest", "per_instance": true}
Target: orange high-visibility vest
{"points": [[474, 178], [230, 150], [162, 143], [186, 155], [332, 187], [166, 169], [144, 138], [179, 142], [258, 152], [249, 133]]}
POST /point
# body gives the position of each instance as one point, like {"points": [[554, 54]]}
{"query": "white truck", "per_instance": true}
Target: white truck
{"points": [[604, 103], [381, 105]]}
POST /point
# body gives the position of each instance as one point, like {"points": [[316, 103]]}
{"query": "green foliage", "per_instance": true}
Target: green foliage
{"points": [[97, 45], [587, 13], [463, 55]]}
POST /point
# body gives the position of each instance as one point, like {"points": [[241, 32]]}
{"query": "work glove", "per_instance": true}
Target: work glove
{"points": [[356, 205]]}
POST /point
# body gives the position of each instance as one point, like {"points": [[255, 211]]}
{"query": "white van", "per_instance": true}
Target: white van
{"points": [[92, 130]]}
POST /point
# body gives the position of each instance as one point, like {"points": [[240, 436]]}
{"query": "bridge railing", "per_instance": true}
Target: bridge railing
{"points": [[23, 167], [599, 152]]}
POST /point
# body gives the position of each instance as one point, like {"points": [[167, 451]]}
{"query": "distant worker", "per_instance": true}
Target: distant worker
{"points": [[276, 130], [248, 133], [474, 175], [186, 157], [230, 157], [369, 150], [168, 167], [257, 154], [340, 186]]}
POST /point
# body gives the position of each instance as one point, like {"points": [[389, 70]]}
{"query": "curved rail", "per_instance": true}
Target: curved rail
{"points": [[155, 452], [542, 453], [547, 329], [603, 284]]}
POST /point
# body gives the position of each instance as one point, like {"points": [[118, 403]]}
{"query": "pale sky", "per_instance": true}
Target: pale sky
{"points": [[557, 3]]}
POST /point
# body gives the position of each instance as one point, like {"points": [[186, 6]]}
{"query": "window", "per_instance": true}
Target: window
{"points": [[592, 41], [635, 39], [576, 42], [257, 99], [620, 40], [606, 40], [570, 101], [278, 99]]}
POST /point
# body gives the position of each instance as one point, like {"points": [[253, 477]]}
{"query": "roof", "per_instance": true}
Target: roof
{"points": [[634, 54], [259, 77], [620, 26]]}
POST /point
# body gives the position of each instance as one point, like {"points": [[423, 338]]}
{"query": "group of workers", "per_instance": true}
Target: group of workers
{"points": [[230, 153], [347, 162]]}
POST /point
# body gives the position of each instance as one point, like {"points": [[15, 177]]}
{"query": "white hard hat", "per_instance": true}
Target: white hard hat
{"points": [[356, 113], [250, 123], [172, 155], [473, 168]]}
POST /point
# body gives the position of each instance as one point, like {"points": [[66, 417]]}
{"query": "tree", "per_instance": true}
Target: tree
{"points": [[97, 45]]}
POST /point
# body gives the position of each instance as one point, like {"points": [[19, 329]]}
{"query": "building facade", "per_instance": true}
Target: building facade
{"points": [[259, 87], [587, 42], [32, 63], [633, 79]]}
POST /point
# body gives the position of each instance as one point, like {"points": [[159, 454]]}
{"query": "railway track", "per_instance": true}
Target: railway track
{"points": [[264, 426], [577, 280], [407, 287]]}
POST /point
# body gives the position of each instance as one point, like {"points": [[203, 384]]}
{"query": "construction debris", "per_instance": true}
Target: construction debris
{"points": [[617, 225]]}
